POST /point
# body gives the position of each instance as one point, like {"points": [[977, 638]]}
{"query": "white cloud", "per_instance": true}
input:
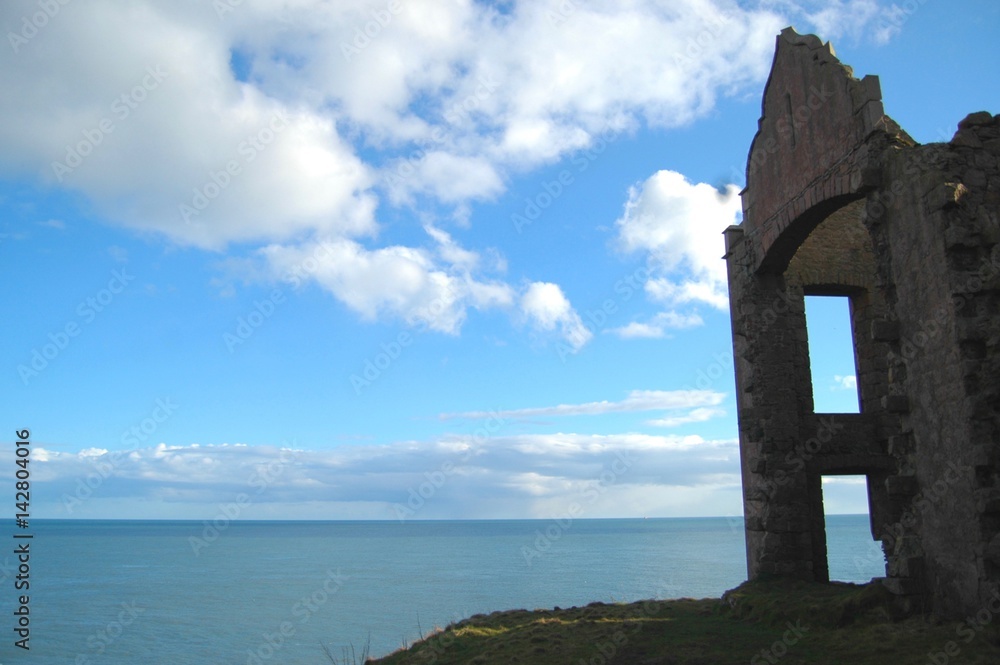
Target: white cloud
{"points": [[845, 495], [855, 17], [450, 252], [844, 480], [497, 475], [694, 416], [119, 254], [679, 226], [636, 330], [548, 309], [658, 326], [849, 382], [395, 281], [449, 178], [295, 143], [149, 121], [637, 400]]}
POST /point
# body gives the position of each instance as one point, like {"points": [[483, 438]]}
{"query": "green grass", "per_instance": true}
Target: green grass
{"points": [[778, 621]]}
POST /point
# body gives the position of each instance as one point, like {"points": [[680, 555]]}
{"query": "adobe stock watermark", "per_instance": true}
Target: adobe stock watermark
{"points": [[780, 647], [594, 490], [121, 108], [99, 641], [106, 464], [878, 203], [597, 319], [419, 495], [33, 24], [364, 35], [737, 523], [264, 309], [782, 304], [438, 643], [931, 495], [934, 494], [561, 14], [219, 180], [894, 17], [378, 364], [551, 190], [796, 459], [457, 112], [302, 611], [607, 649], [930, 328], [786, 127], [434, 481], [86, 312], [261, 478], [247, 325], [7, 570], [225, 7], [967, 631], [698, 45], [722, 366]]}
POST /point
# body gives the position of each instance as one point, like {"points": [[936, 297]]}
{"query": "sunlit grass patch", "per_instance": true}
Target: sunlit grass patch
{"points": [[788, 621]]}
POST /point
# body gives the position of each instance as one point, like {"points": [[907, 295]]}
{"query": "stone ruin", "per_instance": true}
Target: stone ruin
{"points": [[839, 200]]}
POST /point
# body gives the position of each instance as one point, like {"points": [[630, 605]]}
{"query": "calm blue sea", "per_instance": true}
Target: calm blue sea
{"points": [[125, 592]]}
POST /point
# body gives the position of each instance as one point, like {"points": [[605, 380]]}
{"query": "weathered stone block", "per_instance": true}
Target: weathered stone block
{"points": [[902, 586], [885, 331], [901, 485], [896, 403], [976, 119], [900, 444], [911, 566], [989, 501], [992, 553], [966, 139]]}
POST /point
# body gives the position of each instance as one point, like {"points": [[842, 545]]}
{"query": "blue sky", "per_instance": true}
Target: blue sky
{"points": [[470, 256]]}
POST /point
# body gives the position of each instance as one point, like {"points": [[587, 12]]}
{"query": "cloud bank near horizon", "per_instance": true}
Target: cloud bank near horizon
{"points": [[486, 473]]}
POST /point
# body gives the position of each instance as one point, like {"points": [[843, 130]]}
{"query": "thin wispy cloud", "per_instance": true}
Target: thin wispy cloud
{"points": [[636, 401], [658, 326], [699, 415]]}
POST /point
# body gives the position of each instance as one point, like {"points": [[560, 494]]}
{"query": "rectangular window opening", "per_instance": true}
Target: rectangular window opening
{"points": [[851, 552], [831, 355]]}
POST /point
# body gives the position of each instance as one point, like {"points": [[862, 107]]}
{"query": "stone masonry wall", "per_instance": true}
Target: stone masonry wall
{"points": [[937, 218], [840, 201]]}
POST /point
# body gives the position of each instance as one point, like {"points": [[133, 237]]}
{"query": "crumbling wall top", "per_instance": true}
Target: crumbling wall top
{"points": [[815, 117]]}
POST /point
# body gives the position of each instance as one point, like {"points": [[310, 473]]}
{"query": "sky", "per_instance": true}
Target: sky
{"points": [[402, 259]]}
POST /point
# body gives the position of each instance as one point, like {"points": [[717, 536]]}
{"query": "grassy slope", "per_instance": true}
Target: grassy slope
{"points": [[779, 621]]}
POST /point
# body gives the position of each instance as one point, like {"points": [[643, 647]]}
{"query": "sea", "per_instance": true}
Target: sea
{"points": [[120, 592]]}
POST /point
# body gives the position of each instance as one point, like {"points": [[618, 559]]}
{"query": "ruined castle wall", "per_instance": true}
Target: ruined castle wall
{"points": [[840, 201], [810, 142], [767, 322], [937, 217]]}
